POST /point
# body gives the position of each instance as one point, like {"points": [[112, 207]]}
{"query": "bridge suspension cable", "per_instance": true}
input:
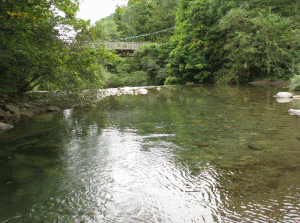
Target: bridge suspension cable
{"points": [[134, 37]]}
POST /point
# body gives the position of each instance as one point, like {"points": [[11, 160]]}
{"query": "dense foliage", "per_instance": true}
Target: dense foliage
{"points": [[142, 17], [234, 41], [36, 51], [147, 66], [230, 41]]}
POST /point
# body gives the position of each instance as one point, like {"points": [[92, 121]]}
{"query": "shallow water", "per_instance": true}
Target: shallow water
{"points": [[179, 154]]}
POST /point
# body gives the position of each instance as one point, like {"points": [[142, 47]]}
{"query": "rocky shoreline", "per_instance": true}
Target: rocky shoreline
{"points": [[12, 112]]}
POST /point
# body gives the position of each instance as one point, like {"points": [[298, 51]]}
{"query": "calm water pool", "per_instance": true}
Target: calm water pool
{"points": [[179, 154]]}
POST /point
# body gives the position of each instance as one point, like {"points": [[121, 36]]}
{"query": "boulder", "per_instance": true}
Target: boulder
{"points": [[4, 127], [283, 95]]}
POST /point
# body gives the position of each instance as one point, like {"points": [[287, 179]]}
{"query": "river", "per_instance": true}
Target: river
{"points": [[177, 154]]}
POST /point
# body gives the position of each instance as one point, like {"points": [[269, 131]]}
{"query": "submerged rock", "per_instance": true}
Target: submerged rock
{"points": [[4, 127]]}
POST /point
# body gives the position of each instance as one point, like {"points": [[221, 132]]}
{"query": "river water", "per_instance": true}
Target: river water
{"points": [[176, 154]]}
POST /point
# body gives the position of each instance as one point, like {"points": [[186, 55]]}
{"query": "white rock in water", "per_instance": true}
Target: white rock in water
{"points": [[284, 95], [294, 112], [5, 127], [142, 91], [124, 89], [284, 100], [129, 92]]}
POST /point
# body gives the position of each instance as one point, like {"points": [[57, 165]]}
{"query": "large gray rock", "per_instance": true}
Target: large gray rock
{"points": [[4, 127]]}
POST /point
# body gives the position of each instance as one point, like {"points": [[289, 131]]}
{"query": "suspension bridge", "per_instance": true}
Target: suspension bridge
{"points": [[122, 48], [125, 48]]}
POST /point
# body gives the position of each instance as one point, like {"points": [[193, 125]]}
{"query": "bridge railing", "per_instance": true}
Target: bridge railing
{"points": [[118, 45], [123, 45]]}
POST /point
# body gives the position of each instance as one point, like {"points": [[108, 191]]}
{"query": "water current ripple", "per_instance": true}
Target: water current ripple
{"points": [[178, 154]]}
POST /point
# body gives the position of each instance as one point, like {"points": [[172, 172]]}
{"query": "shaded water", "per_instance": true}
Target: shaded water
{"points": [[179, 154]]}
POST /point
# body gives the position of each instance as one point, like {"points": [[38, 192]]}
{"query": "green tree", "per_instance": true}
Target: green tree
{"points": [[198, 53], [234, 41], [260, 44], [34, 48], [143, 17]]}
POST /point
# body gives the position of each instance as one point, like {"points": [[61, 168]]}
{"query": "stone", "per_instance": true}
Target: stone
{"points": [[53, 109], [142, 91], [26, 114], [284, 100], [2, 113], [284, 95], [124, 89], [11, 118], [294, 112], [4, 127], [12, 109]]}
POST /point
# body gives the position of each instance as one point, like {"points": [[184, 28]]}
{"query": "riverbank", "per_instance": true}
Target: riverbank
{"points": [[271, 83], [13, 109]]}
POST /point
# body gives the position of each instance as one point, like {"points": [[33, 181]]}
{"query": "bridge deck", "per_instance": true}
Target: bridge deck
{"points": [[123, 46]]}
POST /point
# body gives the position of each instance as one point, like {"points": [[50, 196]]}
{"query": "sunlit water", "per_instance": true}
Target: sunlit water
{"points": [[179, 154]]}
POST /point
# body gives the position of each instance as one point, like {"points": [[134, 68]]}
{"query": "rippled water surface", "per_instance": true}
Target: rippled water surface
{"points": [[179, 154]]}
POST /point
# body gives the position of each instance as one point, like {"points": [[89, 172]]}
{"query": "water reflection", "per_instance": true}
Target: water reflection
{"points": [[180, 154]]}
